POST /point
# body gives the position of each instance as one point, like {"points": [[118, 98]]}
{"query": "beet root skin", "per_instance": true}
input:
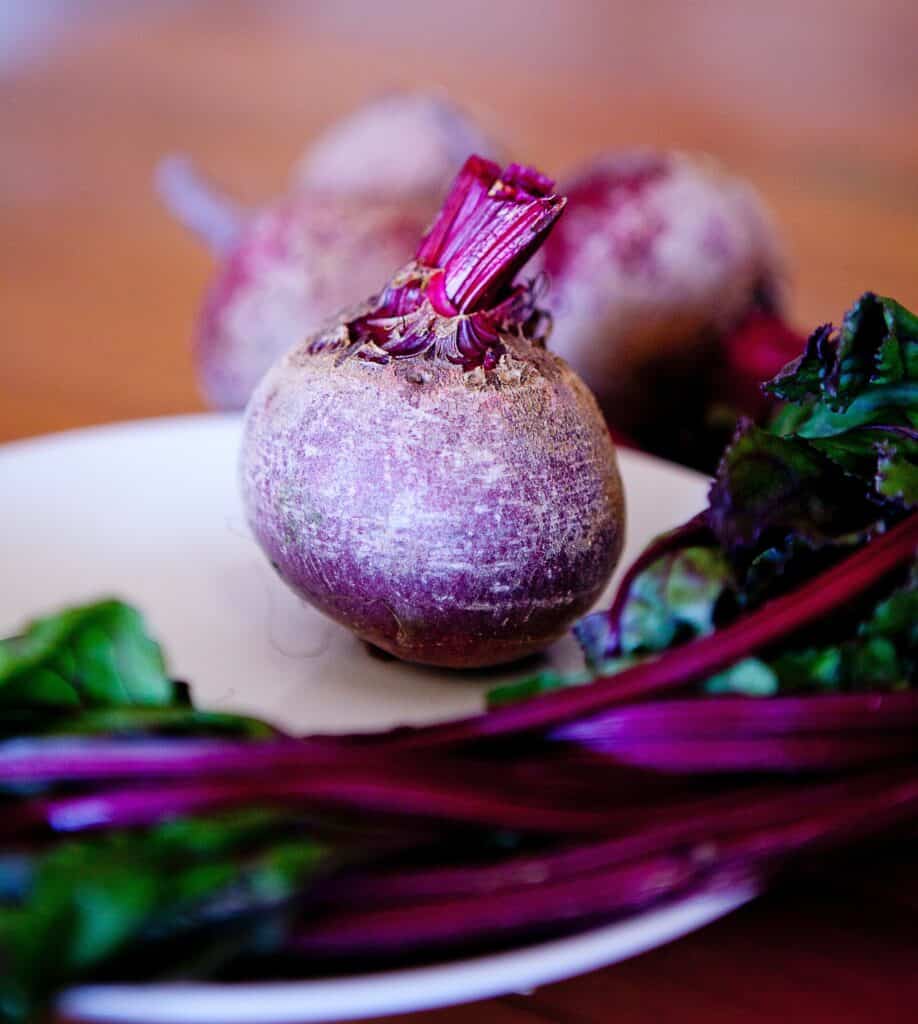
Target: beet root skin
{"points": [[451, 518], [422, 470], [658, 256], [294, 264], [401, 145]]}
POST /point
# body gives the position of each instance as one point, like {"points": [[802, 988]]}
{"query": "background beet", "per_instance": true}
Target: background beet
{"points": [[401, 145], [659, 258]]}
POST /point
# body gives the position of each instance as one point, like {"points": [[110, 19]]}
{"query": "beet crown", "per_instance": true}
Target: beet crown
{"points": [[458, 297]]}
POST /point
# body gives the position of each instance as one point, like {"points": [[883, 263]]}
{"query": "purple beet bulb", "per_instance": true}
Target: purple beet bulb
{"points": [[282, 270], [400, 145], [660, 260], [421, 469], [360, 196]]}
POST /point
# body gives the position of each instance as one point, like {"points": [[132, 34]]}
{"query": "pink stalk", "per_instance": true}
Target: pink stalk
{"points": [[488, 228], [782, 754], [652, 829], [447, 923], [715, 718], [490, 224], [362, 790], [567, 899], [72, 759], [198, 205]]}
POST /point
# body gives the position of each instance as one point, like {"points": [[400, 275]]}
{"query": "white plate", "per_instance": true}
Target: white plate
{"points": [[149, 511]]}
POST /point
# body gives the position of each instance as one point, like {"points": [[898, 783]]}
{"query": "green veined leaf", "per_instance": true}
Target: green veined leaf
{"points": [[674, 600]]}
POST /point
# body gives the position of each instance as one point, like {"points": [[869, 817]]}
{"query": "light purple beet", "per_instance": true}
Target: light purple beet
{"points": [[659, 256], [296, 264], [361, 196], [399, 145], [440, 483], [283, 270]]}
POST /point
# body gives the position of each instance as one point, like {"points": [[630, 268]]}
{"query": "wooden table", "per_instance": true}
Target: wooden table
{"points": [[817, 102]]}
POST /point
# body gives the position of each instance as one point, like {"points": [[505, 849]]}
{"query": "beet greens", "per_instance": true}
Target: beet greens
{"points": [[838, 468]]}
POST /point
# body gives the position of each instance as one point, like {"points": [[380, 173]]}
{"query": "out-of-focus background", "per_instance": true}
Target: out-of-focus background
{"points": [[815, 100]]}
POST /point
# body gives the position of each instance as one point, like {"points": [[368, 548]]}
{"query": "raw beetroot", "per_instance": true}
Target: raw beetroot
{"points": [[355, 210], [283, 270], [667, 281], [423, 471], [402, 145]]}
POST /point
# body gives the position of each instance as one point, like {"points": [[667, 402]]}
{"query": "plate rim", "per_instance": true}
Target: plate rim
{"points": [[402, 990]]}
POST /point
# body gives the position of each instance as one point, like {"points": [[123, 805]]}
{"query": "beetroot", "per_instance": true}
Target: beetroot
{"points": [[660, 258], [283, 271], [399, 146], [423, 471], [356, 209]]}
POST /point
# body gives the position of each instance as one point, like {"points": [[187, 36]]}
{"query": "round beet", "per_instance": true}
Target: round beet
{"points": [[283, 270], [400, 145], [294, 265], [659, 257], [423, 471], [362, 195]]}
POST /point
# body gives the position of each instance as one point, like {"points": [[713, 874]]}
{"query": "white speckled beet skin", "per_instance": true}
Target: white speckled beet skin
{"points": [[656, 256], [451, 518], [295, 264]]}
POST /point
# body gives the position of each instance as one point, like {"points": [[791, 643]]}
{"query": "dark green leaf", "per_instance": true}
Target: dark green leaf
{"points": [[882, 655], [856, 392], [749, 678], [813, 668], [88, 901], [896, 617], [856, 451], [857, 363], [769, 488], [897, 477], [97, 655], [673, 600], [887, 405], [130, 721], [802, 378], [874, 354], [532, 686]]}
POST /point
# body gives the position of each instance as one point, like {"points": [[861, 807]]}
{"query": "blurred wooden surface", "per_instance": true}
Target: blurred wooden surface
{"points": [[815, 100]]}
